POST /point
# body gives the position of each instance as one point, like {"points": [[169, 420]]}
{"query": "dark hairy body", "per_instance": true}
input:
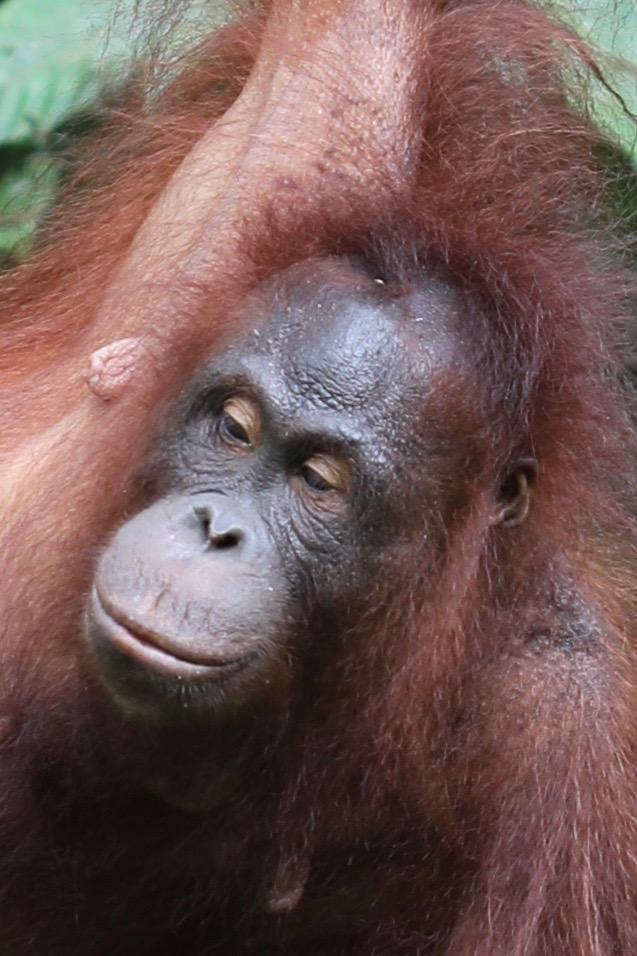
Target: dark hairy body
{"points": [[317, 564]]}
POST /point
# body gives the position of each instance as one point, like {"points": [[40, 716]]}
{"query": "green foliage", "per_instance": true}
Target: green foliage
{"points": [[26, 188], [53, 63], [48, 64], [612, 26]]}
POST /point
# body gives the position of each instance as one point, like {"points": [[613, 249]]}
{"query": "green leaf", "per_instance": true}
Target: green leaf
{"points": [[51, 52], [612, 26], [25, 193]]}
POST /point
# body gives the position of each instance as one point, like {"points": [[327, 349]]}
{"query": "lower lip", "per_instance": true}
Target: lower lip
{"points": [[150, 656]]}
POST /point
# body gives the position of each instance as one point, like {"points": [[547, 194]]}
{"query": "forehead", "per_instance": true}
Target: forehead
{"points": [[349, 345]]}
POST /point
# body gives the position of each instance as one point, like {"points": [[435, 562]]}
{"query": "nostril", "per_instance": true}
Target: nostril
{"points": [[214, 533], [203, 518], [224, 541]]}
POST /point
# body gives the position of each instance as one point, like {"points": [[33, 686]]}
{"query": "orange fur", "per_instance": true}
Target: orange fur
{"points": [[471, 788]]}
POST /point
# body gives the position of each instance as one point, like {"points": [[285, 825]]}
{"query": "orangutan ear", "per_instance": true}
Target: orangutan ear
{"points": [[514, 495]]}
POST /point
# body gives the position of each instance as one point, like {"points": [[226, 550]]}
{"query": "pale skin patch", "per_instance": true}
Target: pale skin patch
{"points": [[110, 368], [7, 725], [286, 891]]}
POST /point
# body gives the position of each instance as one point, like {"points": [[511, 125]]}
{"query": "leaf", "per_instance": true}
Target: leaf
{"points": [[52, 63], [612, 26], [25, 193]]}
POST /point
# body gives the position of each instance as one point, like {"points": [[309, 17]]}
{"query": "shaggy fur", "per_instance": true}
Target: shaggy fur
{"points": [[458, 776]]}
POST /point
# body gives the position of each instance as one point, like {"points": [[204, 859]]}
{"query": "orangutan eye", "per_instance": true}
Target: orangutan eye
{"points": [[323, 474], [240, 423]]}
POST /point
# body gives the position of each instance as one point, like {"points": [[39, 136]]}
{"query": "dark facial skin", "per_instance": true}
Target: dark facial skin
{"points": [[286, 476]]}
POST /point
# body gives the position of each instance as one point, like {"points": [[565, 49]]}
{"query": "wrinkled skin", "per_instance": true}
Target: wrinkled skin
{"points": [[284, 480], [422, 740]]}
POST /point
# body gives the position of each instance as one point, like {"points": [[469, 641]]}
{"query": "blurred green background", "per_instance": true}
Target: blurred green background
{"points": [[54, 60], [57, 56]]}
